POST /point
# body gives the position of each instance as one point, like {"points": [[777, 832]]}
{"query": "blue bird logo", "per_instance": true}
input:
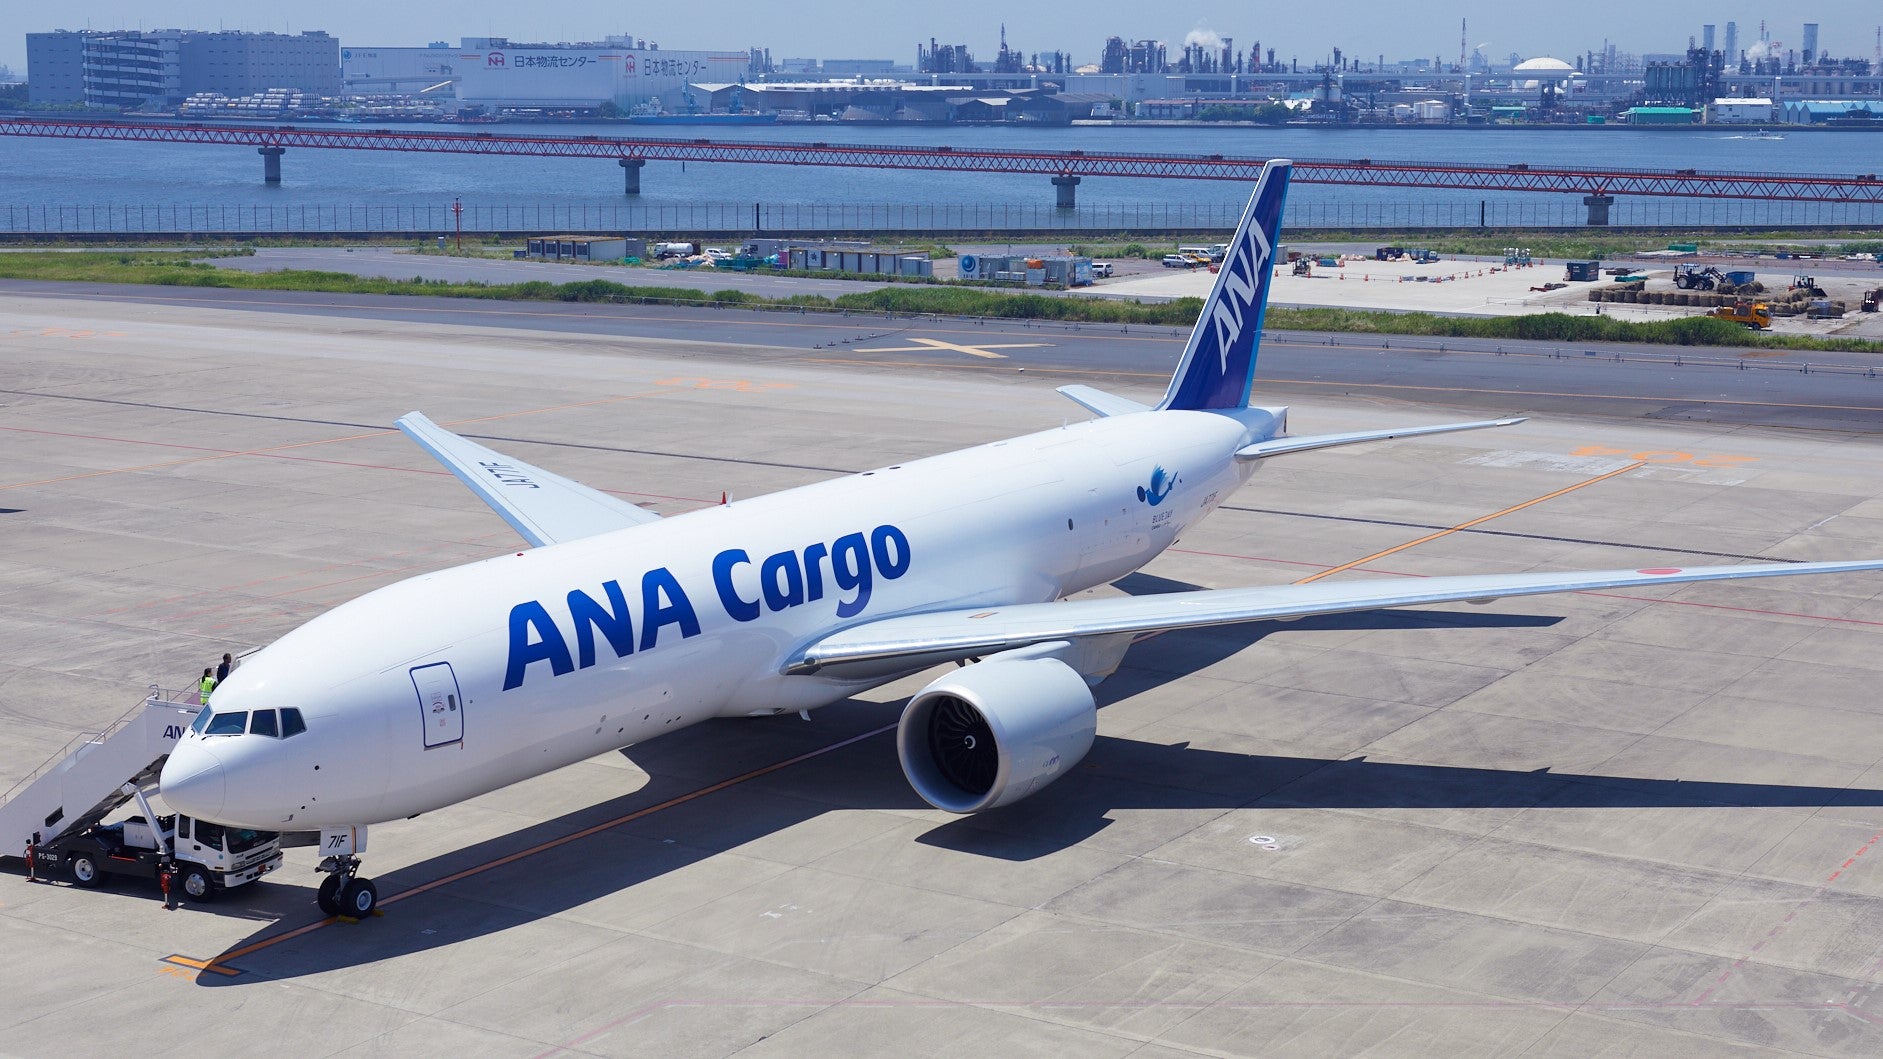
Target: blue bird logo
{"points": [[1162, 482]]}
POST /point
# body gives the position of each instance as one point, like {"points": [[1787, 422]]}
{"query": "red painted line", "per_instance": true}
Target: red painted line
{"points": [[122, 441]]}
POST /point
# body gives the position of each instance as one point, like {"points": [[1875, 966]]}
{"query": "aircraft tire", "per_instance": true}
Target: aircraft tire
{"points": [[358, 898], [328, 896]]}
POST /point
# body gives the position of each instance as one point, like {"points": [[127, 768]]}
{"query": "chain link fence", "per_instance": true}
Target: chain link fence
{"points": [[734, 218]]}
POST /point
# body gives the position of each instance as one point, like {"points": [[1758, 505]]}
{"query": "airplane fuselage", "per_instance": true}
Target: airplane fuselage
{"points": [[455, 683]]}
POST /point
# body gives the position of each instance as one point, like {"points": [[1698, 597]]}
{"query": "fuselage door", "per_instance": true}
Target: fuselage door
{"points": [[440, 704]]}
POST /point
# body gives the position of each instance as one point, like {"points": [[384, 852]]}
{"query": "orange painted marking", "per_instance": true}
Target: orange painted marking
{"points": [[1480, 520], [201, 965]]}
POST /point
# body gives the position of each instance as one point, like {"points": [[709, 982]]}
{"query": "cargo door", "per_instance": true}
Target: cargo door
{"points": [[440, 704]]}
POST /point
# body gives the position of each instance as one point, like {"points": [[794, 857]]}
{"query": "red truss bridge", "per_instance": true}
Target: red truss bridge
{"points": [[1066, 168]]}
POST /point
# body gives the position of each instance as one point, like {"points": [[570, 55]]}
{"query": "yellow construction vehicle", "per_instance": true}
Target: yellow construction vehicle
{"points": [[1756, 315]]}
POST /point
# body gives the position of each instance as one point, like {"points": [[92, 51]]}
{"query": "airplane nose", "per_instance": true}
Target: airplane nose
{"points": [[192, 782]]}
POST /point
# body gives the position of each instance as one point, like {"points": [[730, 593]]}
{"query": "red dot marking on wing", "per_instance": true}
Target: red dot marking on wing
{"points": [[1660, 570]]}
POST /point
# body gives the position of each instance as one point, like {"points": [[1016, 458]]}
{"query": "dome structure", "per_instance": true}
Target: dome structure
{"points": [[1543, 64]]}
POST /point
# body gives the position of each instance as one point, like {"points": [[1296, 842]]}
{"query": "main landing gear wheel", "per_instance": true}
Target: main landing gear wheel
{"points": [[358, 898], [196, 883], [328, 898]]}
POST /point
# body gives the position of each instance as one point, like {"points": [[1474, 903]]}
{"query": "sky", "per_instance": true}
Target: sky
{"points": [[891, 28]]}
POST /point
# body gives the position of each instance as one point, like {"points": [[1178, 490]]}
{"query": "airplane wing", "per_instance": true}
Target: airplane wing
{"points": [[955, 634], [545, 508]]}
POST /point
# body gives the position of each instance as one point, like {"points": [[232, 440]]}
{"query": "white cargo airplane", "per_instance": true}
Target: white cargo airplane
{"points": [[620, 626]]}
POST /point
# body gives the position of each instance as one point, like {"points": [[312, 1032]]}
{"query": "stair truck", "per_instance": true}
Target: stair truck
{"points": [[54, 818]]}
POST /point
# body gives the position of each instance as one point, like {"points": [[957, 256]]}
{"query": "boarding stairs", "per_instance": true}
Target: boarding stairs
{"points": [[93, 774]]}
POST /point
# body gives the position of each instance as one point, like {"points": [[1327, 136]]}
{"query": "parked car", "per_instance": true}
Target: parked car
{"points": [[1178, 261], [1101, 269], [718, 253]]}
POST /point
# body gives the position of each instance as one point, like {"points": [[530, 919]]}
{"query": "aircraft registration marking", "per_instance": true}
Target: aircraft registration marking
{"points": [[984, 350]]}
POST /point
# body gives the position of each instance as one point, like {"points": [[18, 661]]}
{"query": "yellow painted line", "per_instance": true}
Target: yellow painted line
{"points": [[217, 963], [1479, 521], [200, 965], [978, 349]]}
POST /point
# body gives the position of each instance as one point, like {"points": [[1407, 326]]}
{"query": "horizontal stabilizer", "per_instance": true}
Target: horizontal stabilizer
{"points": [[1281, 446], [954, 634], [1102, 403], [545, 508]]}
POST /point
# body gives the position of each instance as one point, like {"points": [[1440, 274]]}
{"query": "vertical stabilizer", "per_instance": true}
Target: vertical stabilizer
{"points": [[1218, 365]]}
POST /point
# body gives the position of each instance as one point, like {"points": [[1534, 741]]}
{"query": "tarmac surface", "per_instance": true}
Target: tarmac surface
{"points": [[1606, 823]]}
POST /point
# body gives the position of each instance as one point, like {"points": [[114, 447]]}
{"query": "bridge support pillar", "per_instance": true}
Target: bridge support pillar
{"points": [[271, 163], [1063, 185], [631, 170], [1598, 209]]}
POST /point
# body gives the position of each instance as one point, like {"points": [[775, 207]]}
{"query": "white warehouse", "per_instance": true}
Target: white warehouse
{"points": [[1741, 111], [497, 74]]}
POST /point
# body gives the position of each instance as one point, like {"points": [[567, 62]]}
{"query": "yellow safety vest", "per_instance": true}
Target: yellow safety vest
{"points": [[209, 685]]}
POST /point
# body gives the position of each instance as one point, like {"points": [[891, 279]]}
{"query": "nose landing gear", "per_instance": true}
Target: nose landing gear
{"points": [[343, 893]]}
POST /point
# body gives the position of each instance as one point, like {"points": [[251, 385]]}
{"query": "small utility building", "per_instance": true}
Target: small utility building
{"points": [[1660, 115]]}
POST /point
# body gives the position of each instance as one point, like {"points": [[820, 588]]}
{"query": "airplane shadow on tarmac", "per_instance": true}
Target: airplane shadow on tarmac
{"points": [[1119, 774]]}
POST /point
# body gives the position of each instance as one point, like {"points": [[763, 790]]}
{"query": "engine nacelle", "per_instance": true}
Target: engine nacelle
{"points": [[991, 733]]}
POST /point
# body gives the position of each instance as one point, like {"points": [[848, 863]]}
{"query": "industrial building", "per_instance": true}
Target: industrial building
{"points": [[1832, 112], [1740, 111], [499, 75], [399, 71], [135, 68], [862, 100]]}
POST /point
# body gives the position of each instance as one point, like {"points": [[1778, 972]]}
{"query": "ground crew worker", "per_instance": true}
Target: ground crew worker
{"points": [[222, 671], [165, 873], [208, 685], [32, 858]]}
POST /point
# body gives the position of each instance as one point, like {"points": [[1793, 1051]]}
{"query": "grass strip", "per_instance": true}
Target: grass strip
{"points": [[180, 269]]}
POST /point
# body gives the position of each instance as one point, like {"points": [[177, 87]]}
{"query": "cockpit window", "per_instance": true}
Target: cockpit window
{"points": [[201, 721], [262, 723], [291, 723], [227, 723]]}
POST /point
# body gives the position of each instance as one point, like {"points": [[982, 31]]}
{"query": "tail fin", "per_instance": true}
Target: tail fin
{"points": [[1218, 365]]}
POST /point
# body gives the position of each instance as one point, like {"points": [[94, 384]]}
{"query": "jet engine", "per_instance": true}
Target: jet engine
{"points": [[991, 733]]}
